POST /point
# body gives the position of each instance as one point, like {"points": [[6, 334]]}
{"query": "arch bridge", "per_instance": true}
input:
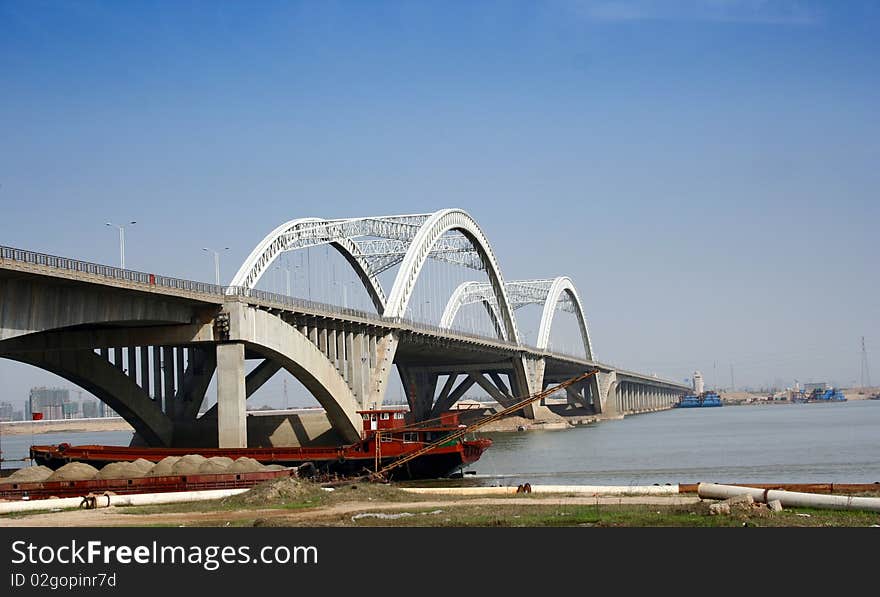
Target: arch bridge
{"points": [[149, 345]]}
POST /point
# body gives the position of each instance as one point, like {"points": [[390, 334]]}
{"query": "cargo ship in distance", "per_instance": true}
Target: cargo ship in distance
{"points": [[703, 400], [388, 435], [699, 398], [818, 395]]}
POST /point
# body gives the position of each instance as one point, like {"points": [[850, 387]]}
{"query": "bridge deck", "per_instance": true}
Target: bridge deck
{"points": [[15, 261]]}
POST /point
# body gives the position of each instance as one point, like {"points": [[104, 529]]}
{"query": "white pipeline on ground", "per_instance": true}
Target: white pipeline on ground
{"points": [[599, 490], [134, 499], [790, 499]]}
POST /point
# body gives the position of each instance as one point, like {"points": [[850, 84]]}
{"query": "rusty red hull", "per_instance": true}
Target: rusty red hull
{"points": [[48, 489], [355, 459]]}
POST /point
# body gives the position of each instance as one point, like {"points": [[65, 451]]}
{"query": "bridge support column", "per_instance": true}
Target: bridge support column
{"points": [[340, 352], [157, 375], [168, 377], [593, 394], [382, 352], [420, 386], [349, 363], [359, 370], [606, 393], [145, 369], [231, 396], [528, 379]]}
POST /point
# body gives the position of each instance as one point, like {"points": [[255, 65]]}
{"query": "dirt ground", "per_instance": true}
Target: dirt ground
{"points": [[298, 502], [114, 516]]}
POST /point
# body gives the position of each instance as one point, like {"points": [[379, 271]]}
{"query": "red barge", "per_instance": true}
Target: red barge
{"points": [[38, 490], [388, 436]]}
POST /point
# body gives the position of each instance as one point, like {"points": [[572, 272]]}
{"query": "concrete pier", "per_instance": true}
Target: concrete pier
{"points": [[231, 396]]}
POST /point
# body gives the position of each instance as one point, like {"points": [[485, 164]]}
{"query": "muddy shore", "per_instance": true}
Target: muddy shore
{"points": [[69, 425]]}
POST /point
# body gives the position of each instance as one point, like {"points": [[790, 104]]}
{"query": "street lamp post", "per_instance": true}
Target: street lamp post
{"points": [[216, 263], [121, 240]]}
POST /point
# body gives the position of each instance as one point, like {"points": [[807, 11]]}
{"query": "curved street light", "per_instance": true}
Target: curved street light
{"points": [[216, 263], [121, 240]]}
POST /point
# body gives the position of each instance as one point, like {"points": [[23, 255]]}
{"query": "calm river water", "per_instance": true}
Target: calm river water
{"points": [[15, 447], [789, 443], [792, 443]]}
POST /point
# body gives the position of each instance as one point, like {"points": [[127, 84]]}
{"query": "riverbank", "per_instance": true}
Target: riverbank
{"points": [[514, 423], [736, 398], [301, 503], [65, 425]]}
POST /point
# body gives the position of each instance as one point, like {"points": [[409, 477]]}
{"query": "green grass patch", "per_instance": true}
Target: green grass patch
{"points": [[528, 515], [14, 515]]}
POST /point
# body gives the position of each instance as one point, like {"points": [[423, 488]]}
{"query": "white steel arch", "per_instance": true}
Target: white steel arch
{"points": [[468, 293], [429, 234], [272, 245], [371, 246], [563, 286], [299, 233], [553, 294]]}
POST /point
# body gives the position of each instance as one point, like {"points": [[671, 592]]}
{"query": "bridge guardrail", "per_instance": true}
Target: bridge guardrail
{"points": [[117, 273], [106, 271], [292, 301]]}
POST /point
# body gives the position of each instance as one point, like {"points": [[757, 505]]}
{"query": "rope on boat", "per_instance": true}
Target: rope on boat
{"points": [[379, 473]]}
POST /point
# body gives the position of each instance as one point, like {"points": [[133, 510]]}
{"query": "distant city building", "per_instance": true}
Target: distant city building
{"points": [[70, 410], [47, 401], [698, 383], [7, 412], [90, 408], [55, 403]]}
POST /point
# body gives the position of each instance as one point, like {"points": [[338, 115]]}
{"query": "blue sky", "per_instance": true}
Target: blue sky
{"points": [[705, 170]]}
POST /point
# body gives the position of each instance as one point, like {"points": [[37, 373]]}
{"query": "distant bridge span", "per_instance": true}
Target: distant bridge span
{"points": [[149, 345]]}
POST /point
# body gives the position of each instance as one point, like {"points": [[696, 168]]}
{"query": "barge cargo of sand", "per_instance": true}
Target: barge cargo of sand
{"points": [[388, 436]]}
